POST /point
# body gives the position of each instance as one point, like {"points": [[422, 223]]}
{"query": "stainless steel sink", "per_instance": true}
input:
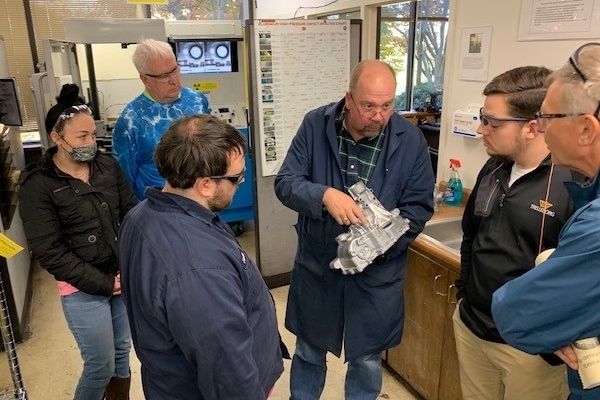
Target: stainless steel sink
{"points": [[445, 233]]}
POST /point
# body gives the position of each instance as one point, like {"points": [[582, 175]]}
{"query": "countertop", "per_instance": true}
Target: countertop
{"points": [[445, 211]]}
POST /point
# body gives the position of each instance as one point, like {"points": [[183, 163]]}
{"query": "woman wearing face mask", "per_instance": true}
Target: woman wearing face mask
{"points": [[72, 203]]}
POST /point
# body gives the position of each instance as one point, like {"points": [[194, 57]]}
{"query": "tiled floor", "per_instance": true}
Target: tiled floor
{"points": [[50, 363]]}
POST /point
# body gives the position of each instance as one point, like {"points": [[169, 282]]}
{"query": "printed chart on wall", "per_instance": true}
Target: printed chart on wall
{"points": [[301, 65]]}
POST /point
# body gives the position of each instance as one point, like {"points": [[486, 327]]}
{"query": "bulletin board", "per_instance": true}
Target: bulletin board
{"points": [[301, 65]]}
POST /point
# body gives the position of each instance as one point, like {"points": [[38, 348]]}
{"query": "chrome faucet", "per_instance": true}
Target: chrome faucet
{"points": [[438, 197]]}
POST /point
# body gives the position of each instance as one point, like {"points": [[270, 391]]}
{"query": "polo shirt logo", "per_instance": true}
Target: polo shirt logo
{"points": [[543, 208]]}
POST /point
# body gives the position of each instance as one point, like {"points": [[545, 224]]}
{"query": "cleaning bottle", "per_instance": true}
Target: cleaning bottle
{"points": [[454, 189]]}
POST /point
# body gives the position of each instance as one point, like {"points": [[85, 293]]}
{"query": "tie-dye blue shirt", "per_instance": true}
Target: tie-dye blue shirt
{"points": [[140, 127]]}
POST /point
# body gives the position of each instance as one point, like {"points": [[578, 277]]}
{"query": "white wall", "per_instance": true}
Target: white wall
{"points": [[506, 53], [117, 79]]}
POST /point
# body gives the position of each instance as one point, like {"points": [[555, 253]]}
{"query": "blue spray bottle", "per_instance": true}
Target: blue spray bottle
{"points": [[454, 189]]}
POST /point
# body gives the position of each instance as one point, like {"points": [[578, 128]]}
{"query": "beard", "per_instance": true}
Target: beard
{"points": [[371, 130], [219, 201]]}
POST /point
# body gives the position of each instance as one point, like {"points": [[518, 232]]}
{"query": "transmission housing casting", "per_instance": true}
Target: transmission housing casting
{"points": [[358, 247]]}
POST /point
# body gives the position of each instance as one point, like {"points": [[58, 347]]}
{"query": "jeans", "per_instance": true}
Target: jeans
{"points": [[101, 330], [307, 376]]}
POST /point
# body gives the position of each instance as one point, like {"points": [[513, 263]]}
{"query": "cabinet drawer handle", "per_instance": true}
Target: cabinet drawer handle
{"points": [[450, 297], [435, 291]]}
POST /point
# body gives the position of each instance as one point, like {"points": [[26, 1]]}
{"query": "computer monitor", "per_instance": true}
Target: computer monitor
{"points": [[10, 109], [206, 56]]}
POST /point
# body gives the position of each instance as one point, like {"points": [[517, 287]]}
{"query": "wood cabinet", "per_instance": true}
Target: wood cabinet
{"points": [[426, 357], [449, 388]]}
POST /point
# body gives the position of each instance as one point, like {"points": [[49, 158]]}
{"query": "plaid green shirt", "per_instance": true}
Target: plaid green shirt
{"points": [[358, 159]]}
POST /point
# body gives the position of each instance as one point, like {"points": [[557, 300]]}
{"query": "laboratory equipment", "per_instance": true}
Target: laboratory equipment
{"points": [[208, 54]]}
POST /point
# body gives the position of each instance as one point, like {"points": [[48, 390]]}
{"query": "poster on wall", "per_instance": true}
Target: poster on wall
{"points": [[475, 53], [301, 65], [565, 19]]}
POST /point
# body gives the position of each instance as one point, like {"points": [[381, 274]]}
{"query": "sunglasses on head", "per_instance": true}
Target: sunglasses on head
{"points": [[574, 60]]}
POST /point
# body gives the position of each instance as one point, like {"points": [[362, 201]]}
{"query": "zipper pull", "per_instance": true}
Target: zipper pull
{"points": [[501, 201]]}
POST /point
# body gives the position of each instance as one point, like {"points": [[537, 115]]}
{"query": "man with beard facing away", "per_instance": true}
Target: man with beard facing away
{"points": [[202, 319]]}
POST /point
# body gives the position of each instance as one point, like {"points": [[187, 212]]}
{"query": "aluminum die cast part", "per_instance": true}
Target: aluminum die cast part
{"points": [[362, 244]]}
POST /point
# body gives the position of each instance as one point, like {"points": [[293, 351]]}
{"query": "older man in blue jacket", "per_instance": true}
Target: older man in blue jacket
{"points": [[357, 138]]}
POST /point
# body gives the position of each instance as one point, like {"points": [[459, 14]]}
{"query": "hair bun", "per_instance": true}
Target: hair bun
{"points": [[69, 96]]}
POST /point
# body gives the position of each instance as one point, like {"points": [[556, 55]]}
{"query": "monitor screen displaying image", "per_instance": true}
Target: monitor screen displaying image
{"points": [[206, 56], [10, 109]]}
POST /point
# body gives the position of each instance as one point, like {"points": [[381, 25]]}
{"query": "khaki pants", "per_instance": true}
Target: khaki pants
{"points": [[496, 371]]}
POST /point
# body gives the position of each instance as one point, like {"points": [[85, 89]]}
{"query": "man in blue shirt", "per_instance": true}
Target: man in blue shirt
{"points": [[202, 320], [147, 117]]}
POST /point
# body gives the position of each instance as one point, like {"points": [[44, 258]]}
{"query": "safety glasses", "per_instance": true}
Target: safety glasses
{"points": [[236, 179], [485, 119]]}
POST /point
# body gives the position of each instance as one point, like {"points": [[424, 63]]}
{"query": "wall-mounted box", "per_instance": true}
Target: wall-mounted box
{"points": [[465, 122]]}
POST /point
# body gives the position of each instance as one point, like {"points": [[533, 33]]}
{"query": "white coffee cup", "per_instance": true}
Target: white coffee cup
{"points": [[543, 256], [588, 356]]}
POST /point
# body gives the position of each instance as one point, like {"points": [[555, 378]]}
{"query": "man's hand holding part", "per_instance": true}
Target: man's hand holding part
{"points": [[343, 208]]}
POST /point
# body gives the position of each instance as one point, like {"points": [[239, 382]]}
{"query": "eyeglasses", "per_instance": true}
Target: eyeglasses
{"points": [[543, 120], [236, 179], [69, 113], [164, 78], [369, 111], [485, 119]]}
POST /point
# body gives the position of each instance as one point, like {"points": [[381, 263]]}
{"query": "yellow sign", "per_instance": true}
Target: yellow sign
{"points": [[205, 86], [8, 248], [146, 1]]}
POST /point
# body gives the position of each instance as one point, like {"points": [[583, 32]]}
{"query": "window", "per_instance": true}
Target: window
{"points": [[346, 15], [199, 9], [413, 41]]}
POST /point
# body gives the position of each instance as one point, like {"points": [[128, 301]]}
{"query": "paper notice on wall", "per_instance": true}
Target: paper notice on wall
{"points": [[8, 248], [475, 53], [564, 19]]}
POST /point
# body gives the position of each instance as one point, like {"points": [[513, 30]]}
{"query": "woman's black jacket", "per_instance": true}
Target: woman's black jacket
{"points": [[72, 227]]}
